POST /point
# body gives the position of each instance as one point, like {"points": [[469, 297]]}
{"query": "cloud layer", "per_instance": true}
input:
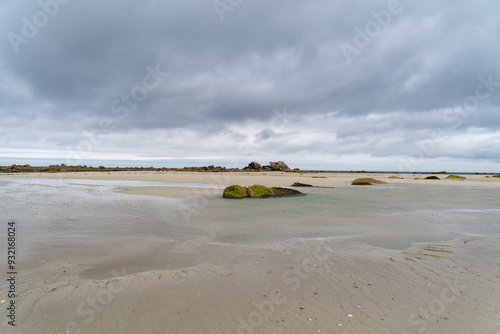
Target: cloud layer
{"points": [[318, 83]]}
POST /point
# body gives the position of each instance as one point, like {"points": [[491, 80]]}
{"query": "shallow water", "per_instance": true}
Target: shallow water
{"points": [[66, 216], [61, 216], [384, 216]]}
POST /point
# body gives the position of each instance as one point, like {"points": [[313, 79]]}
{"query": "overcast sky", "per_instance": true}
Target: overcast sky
{"points": [[326, 84]]}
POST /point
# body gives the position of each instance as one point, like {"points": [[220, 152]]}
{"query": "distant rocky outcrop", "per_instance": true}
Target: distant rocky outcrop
{"points": [[257, 191], [366, 181], [252, 167], [63, 168], [279, 166]]}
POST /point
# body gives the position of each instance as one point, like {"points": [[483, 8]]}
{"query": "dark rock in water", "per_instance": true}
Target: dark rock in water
{"points": [[280, 192], [258, 191], [433, 177], [298, 184]]}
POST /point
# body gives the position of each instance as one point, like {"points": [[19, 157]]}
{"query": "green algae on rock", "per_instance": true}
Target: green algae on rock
{"points": [[235, 191], [258, 191]]}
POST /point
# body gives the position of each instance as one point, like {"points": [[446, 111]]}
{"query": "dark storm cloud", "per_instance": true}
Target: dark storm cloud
{"points": [[90, 61]]}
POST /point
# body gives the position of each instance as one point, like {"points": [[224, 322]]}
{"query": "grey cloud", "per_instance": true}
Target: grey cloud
{"points": [[266, 134], [263, 56]]}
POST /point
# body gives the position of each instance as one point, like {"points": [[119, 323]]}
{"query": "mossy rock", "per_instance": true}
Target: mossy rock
{"points": [[366, 181], [432, 177], [235, 191], [498, 175], [455, 177], [418, 178], [258, 191], [394, 177], [52, 171], [298, 184]]}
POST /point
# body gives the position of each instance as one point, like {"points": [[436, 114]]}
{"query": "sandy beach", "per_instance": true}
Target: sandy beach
{"points": [[271, 179], [186, 271]]}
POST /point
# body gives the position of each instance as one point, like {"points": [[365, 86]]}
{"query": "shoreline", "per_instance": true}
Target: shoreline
{"points": [[270, 179]]}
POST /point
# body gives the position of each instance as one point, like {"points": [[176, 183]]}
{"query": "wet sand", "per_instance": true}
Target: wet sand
{"points": [[294, 288], [191, 284]]}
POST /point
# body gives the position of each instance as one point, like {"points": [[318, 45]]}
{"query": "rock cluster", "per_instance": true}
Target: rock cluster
{"points": [[257, 191], [279, 166]]}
